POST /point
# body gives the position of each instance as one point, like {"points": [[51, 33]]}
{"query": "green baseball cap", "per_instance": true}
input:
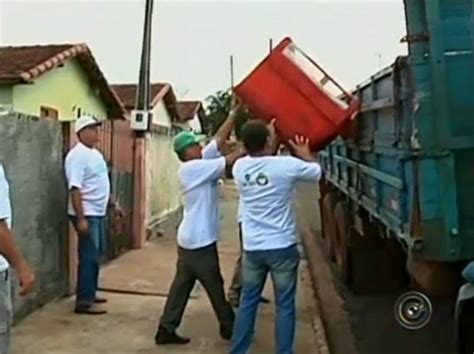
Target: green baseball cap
{"points": [[184, 140]]}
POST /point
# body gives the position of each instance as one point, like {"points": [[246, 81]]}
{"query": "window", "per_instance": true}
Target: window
{"points": [[48, 112]]}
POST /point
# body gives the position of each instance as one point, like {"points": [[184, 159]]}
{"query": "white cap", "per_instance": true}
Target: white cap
{"points": [[84, 122]]}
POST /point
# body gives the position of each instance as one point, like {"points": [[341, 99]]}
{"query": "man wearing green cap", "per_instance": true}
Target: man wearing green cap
{"points": [[198, 232]]}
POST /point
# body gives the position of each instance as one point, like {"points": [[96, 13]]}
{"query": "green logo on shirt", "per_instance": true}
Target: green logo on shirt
{"points": [[261, 179]]}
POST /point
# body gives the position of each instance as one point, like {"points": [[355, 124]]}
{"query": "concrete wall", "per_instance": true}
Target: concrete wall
{"points": [[6, 95], [65, 89], [163, 193], [31, 152]]}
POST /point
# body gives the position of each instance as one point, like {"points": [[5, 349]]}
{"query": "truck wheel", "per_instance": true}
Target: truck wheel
{"points": [[329, 231], [342, 219], [377, 264], [464, 320]]}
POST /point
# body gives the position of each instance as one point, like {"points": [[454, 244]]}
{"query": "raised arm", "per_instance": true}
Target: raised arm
{"points": [[306, 167], [273, 139], [224, 131], [300, 146], [197, 172]]}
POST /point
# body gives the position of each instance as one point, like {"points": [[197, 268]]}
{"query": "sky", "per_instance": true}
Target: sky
{"points": [[193, 40]]}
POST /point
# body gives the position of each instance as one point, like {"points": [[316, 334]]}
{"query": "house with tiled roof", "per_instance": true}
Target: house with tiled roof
{"points": [[161, 180], [162, 103], [58, 81], [192, 112]]}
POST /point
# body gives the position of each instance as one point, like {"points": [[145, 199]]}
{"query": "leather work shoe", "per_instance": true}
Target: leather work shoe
{"points": [[163, 337], [100, 300], [89, 310], [225, 332]]}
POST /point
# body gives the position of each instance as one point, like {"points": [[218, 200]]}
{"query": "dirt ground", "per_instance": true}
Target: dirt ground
{"points": [[132, 320]]}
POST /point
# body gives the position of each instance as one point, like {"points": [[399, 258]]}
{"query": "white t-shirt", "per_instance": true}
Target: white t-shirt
{"points": [[266, 185], [199, 185], [86, 170], [239, 211], [5, 210]]}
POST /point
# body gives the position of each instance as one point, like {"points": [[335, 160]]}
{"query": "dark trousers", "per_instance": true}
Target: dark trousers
{"points": [[199, 264], [90, 249], [236, 286]]}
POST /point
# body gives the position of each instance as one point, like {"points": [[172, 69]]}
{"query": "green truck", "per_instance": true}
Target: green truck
{"points": [[398, 198]]}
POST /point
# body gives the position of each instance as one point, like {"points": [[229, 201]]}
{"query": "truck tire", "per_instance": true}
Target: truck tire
{"points": [[464, 320], [343, 236], [329, 202]]}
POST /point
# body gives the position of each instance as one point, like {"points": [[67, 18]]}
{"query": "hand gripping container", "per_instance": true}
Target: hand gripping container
{"points": [[292, 88]]}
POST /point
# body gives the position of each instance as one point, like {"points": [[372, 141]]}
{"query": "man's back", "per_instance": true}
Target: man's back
{"points": [[266, 187]]}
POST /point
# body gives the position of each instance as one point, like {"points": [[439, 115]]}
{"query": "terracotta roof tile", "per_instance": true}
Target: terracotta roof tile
{"points": [[161, 90], [128, 93], [25, 63], [15, 61]]}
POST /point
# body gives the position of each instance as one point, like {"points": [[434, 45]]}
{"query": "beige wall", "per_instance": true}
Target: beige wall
{"points": [[163, 187], [195, 124], [161, 116]]}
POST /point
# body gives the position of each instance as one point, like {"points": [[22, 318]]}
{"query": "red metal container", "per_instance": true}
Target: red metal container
{"points": [[291, 87]]}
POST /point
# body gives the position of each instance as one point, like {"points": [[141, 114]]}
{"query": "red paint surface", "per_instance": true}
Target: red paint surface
{"points": [[279, 89]]}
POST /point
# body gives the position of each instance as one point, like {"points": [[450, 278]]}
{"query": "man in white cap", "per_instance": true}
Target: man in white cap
{"points": [[89, 196], [9, 255]]}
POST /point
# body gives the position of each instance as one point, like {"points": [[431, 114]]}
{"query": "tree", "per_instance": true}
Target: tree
{"points": [[218, 108]]}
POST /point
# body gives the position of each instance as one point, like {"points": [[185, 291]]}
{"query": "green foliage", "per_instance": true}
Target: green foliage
{"points": [[218, 108]]}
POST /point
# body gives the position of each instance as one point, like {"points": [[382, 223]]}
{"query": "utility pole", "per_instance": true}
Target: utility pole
{"points": [[232, 71], [271, 45], [143, 90], [141, 119]]}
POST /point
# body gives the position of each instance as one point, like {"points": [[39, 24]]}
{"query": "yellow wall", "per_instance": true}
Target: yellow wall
{"points": [[64, 89], [163, 190]]}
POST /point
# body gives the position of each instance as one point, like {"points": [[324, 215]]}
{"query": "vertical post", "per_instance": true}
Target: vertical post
{"points": [[140, 144], [143, 90], [270, 44], [232, 71]]}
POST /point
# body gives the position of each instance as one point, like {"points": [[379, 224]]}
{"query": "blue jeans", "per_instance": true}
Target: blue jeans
{"points": [[282, 264], [90, 249]]}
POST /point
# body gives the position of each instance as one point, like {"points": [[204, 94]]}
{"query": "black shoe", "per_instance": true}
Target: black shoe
{"points": [[225, 332], [89, 310], [164, 337], [100, 300]]}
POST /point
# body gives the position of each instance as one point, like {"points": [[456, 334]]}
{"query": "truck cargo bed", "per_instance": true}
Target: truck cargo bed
{"points": [[410, 166]]}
